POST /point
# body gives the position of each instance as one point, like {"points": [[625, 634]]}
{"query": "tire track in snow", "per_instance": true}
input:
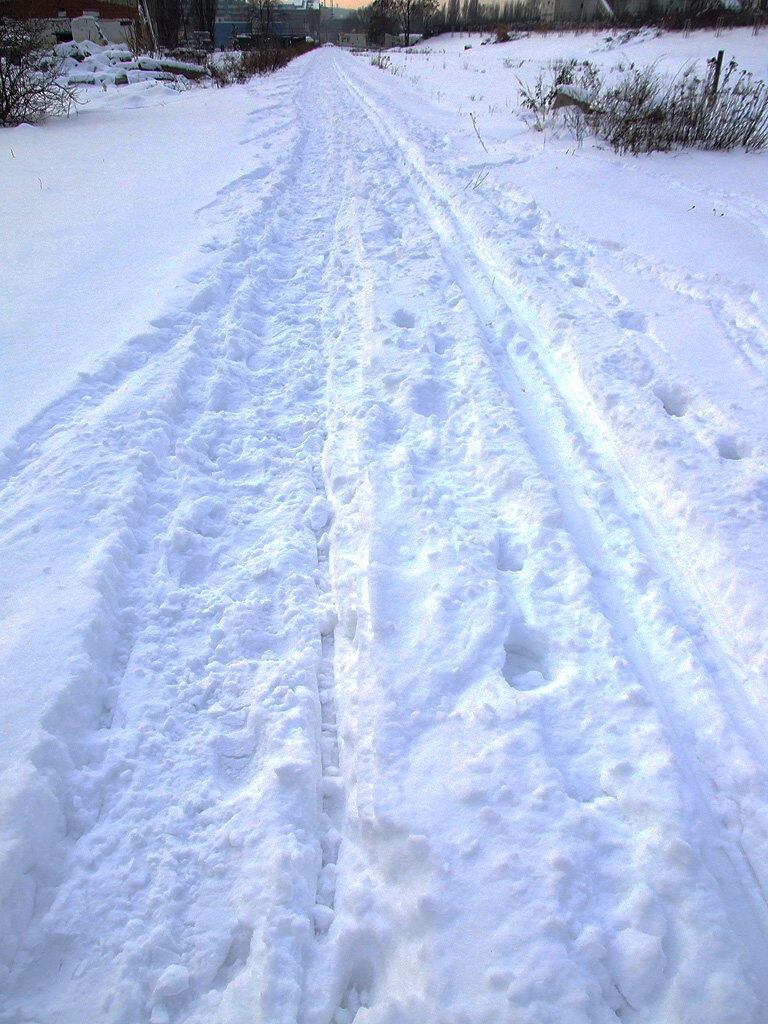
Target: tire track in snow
{"points": [[393, 374], [135, 358], [346, 964], [54, 492], [214, 912], [596, 352], [188, 892], [451, 227], [646, 616]]}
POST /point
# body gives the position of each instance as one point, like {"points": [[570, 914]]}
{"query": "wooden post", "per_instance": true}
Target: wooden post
{"points": [[718, 69]]}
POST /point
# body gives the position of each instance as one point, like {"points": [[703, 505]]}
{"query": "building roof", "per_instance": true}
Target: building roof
{"points": [[47, 9]]}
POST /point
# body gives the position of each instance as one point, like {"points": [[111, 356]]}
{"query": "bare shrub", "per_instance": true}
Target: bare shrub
{"points": [[641, 111], [30, 87], [541, 98], [241, 67]]}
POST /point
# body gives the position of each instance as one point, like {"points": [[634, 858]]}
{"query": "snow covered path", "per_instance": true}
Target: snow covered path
{"points": [[394, 655]]}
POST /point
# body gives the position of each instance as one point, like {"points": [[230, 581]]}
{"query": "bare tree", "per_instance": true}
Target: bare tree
{"points": [[205, 14], [453, 14], [408, 15], [381, 20], [470, 14], [168, 17], [265, 14], [30, 86]]}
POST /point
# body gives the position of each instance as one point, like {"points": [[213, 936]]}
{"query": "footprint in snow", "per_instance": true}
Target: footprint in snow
{"points": [[428, 399], [234, 755], [402, 318], [729, 447], [510, 556], [525, 658], [608, 243], [673, 399], [632, 320]]}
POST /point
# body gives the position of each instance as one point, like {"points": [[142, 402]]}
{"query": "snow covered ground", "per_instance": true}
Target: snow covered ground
{"points": [[383, 530]]}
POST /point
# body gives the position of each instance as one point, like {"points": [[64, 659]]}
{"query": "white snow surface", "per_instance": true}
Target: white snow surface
{"points": [[384, 545]]}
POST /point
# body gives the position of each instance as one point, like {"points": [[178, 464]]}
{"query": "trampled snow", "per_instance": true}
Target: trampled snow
{"points": [[383, 525]]}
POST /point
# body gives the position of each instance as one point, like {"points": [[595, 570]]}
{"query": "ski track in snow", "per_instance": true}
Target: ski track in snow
{"points": [[413, 684]]}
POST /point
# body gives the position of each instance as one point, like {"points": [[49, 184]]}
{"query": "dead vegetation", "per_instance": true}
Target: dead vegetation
{"points": [[640, 110], [30, 84], [241, 67]]}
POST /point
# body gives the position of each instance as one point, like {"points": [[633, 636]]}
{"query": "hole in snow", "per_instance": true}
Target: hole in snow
{"points": [[511, 556], [350, 1004], [730, 448], [525, 660], [608, 243], [442, 345], [402, 318], [358, 994], [631, 320], [428, 399], [236, 956], [673, 399], [362, 956]]}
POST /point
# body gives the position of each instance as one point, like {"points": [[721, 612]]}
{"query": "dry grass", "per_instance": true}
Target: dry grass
{"points": [[641, 111], [241, 67]]}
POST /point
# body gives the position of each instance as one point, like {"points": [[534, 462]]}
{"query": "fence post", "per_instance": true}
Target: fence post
{"points": [[718, 69]]}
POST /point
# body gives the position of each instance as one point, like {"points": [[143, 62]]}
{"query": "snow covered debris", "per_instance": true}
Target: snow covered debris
{"points": [[383, 522], [87, 63]]}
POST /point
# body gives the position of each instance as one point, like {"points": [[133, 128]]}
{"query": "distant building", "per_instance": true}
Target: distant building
{"points": [[359, 41], [233, 18], [294, 23], [101, 22], [237, 22], [352, 40]]}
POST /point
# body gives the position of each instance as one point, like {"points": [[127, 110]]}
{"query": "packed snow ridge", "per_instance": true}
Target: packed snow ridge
{"points": [[384, 533]]}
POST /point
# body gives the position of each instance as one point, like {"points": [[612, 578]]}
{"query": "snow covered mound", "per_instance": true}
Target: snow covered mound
{"points": [[87, 63], [384, 532]]}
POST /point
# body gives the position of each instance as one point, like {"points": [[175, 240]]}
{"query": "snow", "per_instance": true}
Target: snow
{"points": [[102, 210], [383, 518]]}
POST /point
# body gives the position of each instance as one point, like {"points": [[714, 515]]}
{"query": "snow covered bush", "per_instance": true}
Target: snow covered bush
{"points": [[30, 87], [578, 80]]}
